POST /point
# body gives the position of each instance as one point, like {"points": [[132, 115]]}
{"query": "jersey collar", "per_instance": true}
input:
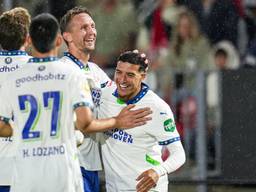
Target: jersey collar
{"points": [[40, 60], [79, 63], [142, 93], [13, 53]]}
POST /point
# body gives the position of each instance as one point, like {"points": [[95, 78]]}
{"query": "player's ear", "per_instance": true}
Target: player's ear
{"points": [[29, 40], [143, 75], [58, 40], [67, 36]]}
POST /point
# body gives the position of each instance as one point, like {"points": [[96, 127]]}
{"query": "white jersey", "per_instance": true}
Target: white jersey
{"points": [[128, 153], [9, 62], [42, 96], [89, 156]]}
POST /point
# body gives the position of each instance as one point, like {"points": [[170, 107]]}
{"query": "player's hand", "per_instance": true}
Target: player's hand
{"points": [[129, 118], [147, 180], [79, 138]]}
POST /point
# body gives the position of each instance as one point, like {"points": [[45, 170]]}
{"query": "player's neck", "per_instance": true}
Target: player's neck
{"points": [[126, 98], [22, 48], [80, 55], [52, 53]]}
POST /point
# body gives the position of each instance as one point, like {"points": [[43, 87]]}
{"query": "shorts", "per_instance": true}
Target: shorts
{"points": [[90, 180], [4, 188]]}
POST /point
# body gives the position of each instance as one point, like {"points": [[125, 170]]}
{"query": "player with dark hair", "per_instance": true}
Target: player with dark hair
{"points": [[132, 158]]}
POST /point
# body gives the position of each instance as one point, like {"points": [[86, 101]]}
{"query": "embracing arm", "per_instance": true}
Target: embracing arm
{"points": [[127, 118]]}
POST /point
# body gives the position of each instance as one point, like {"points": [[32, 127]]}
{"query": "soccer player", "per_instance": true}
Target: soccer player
{"points": [[43, 96], [132, 158], [79, 32], [14, 25]]}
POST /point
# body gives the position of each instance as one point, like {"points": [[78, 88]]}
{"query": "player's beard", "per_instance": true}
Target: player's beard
{"points": [[88, 46]]}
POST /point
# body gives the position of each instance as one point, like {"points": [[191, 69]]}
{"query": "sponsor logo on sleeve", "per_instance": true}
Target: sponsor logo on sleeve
{"points": [[169, 125]]}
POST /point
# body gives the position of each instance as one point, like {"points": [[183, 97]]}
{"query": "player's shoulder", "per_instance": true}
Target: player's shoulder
{"points": [[152, 99], [108, 89], [14, 60], [93, 65], [96, 68]]}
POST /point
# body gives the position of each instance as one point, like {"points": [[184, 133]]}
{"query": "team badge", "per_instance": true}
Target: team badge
{"points": [[41, 68], [169, 125], [8, 60]]}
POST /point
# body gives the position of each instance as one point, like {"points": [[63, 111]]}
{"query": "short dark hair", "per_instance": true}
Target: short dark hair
{"points": [[221, 52], [135, 59], [43, 31], [65, 20], [14, 25]]}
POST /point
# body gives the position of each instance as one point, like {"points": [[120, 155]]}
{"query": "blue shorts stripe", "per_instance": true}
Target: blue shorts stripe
{"points": [[167, 142]]}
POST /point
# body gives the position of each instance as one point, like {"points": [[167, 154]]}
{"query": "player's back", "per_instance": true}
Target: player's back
{"points": [[10, 61], [42, 95]]}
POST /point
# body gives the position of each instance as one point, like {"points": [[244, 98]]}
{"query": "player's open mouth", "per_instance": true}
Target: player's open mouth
{"points": [[123, 86], [89, 41]]}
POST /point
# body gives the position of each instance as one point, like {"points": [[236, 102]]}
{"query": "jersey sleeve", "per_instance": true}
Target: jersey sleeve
{"points": [[104, 79], [5, 105], [80, 91], [162, 125]]}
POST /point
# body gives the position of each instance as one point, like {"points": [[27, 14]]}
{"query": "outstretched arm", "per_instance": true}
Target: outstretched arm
{"points": [[126, 119]]}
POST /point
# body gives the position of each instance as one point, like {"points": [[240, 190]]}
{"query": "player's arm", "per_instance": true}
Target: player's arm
{"points": [[5, 129], [5, 111], [149, 178], [127, 118], [164, 129]]}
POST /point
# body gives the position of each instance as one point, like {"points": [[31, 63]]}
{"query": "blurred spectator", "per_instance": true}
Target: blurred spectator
{"points": [[154, 35], [189, 50], [250, 18], [117, 29], [155, 32], [218, 18], [249, 60], [225, 57]]}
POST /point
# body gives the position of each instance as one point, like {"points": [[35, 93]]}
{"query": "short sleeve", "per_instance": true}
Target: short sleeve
{"points": [[104, 79], [163, 125], [5, 104], [80, 91]]}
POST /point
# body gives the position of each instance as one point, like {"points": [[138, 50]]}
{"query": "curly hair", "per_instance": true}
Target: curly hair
{"points": [[14, 26]]}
